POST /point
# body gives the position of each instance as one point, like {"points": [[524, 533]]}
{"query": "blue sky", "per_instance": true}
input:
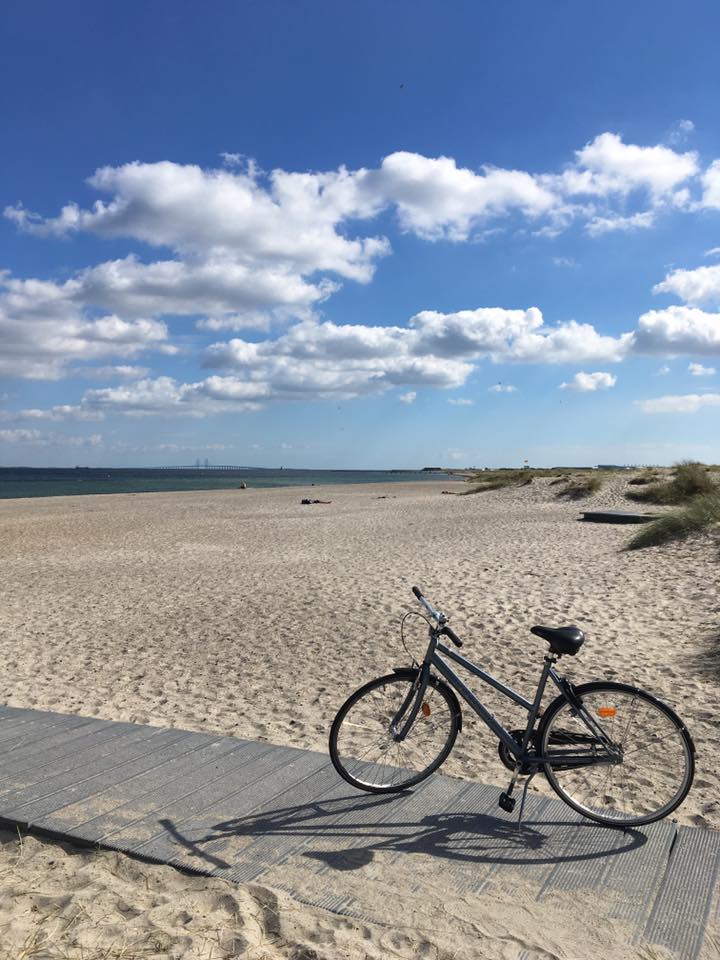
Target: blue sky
{"points": [[359, 235]]}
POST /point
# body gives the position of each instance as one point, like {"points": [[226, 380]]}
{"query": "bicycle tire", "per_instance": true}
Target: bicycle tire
{"points": [[379, 776], [642, 787]]}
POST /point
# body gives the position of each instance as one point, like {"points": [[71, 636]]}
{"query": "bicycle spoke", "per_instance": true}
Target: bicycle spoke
{"points": [[652, 772]]}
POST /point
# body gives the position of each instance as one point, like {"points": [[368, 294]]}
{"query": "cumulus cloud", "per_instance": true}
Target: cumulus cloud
{"points": [[606, 165], [663, 371], [43, 330], [408, 397], [588, 382], [460, 402], [697, 287], [502, 388], [711, 186], [684, 403], [698, 370], [250, 249], [435, 198], [163, 395], [678, 330]]}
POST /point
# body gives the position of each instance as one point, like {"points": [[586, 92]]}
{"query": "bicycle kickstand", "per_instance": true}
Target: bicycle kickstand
{"points": [[522, 799]]}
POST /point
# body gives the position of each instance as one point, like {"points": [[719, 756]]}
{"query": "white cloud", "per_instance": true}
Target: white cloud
{"points": [[37, 439], [43, 331], [681, 131], [606, 165], [61, 412], [502, 388], [687, 403], [698, 370], [435, 198], [165, 396], [251, 249], [711, 185], [697, 287], [637, 221], [564, 262], [713, 252], [123, 371], [677, 330], [663, 371], [460, 402], [588, 382], [408, 397]]}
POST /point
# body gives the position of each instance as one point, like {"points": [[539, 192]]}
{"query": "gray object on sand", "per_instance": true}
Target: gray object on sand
{"points": [[617, 516]]}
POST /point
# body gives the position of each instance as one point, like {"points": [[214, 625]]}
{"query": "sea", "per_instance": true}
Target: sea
{"points": [[63, 482]]}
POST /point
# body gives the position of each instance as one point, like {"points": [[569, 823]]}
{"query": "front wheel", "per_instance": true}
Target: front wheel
{"points": [[363, 749], [644, 775]]}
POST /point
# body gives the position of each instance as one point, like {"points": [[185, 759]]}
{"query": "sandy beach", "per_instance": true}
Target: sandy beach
{"points": [[247, 613]]}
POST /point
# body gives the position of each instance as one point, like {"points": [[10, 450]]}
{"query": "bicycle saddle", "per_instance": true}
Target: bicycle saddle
{"points": [[561, 639]]}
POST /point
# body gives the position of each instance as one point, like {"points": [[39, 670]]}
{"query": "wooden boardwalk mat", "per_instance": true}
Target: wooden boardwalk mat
{"points": [[248, 811]]}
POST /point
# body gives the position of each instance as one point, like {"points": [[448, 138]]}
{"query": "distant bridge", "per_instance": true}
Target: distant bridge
{"points": [[205, 466]]}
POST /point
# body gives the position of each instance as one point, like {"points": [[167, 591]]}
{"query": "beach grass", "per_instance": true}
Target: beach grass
{"points": [[690, 479], [483, 480], [581, 487], [701, 513]]}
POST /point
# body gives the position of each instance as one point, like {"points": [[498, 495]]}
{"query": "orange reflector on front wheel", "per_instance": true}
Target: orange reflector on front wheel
{"points": [[607, 711], [425, 709]]}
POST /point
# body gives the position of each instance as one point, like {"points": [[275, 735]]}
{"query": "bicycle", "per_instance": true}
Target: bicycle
{"points": [[614, 753]]}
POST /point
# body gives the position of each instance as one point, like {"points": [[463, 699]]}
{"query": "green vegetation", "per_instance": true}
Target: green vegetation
{"points": [[702, 513], [581, 487], [690, 480], [483, 480], [644, 479]]}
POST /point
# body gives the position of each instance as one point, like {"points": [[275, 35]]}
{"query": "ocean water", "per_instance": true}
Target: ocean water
{"points": [[50, 482]]}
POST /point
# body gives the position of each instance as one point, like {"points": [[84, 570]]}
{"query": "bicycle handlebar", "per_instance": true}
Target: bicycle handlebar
{"points": [[438, 617]]}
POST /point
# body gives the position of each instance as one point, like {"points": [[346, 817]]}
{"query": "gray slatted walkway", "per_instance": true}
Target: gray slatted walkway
{"points": [[247, 811]]}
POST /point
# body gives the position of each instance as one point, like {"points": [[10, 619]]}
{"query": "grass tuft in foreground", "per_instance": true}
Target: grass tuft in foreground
{"points": [[691, 479], [702, 513]]}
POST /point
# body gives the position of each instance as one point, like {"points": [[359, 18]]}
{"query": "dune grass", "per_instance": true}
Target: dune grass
{"points": [[691, 479], [497, 479], [701, 513], [581, 487]]}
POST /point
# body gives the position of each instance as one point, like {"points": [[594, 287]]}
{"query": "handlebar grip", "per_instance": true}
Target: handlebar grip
{"points": [[449, 632], [418, 594]]}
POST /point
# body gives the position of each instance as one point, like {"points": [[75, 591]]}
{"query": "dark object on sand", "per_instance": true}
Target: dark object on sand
{"points": [[315, 501], [449, 492], [618, 516], [243, 486]]}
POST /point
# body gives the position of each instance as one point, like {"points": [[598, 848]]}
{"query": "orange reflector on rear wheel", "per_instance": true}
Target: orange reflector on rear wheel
{"points": [[425, 709], [607, 711]]}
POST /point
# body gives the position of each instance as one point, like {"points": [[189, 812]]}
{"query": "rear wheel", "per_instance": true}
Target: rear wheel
{"points": [[363, 749], [654, 764]]}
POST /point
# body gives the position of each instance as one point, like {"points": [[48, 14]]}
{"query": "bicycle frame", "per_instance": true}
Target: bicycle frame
{"points": [[434, 658]]}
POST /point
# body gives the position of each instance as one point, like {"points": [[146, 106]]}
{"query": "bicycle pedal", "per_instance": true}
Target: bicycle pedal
{"points": [[506, 802]]}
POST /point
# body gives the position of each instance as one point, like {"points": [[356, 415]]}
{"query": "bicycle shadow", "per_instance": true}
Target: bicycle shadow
{"points": [[346, 833]]}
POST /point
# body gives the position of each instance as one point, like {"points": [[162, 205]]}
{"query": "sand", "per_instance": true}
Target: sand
{"points": [[247, 613]]}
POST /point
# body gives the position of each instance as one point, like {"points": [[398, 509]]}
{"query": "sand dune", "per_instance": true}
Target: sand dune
{"points": [[247, 613]]}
